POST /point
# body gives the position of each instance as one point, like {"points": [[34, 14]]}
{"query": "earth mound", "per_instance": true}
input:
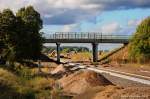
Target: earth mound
{"points": [[81, 81], [133, 92], [114, 92], [59, 69]]}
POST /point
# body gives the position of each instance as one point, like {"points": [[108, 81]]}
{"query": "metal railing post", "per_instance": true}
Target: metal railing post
{"points": [[75, 35]]}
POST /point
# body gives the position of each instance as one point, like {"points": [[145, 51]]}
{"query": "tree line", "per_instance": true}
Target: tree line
{"points": [[66, 49], [20, 37]]}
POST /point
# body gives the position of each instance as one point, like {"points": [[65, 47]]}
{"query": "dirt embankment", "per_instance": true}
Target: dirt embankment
{"points": [[83, 84], [81, 81], [120, 61], [114, 92], [120, 56], [123, 57]]}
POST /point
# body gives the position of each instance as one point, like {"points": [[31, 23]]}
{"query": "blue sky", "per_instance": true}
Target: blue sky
{"points": [[123, 22], [104, 16]]}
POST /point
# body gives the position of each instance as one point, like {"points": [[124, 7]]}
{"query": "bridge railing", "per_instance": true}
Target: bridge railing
{"points": [[71, 35]]}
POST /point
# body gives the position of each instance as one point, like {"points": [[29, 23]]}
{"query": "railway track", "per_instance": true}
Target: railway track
{"points": [[118, 74]]}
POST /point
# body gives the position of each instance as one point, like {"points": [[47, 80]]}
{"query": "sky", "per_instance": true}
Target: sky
{"points": [[104, 16]]}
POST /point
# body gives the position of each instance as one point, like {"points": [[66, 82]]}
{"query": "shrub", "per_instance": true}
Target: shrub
{"points": [[39, 83], [140, 42], [11, 87], [7, 79]]}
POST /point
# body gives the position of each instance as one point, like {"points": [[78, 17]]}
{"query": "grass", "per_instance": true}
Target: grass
{"points": [[105, 56], [83, 56], [122, 57], [40, 83], [8, 79], [16, 85], [11, 87]]}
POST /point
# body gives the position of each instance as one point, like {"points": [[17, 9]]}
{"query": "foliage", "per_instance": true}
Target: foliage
{"points": [[19, 34], [33, 24], [7, 34], [140, 42], [11, 88], [40, 83], [7, 79], [23, 72], [67, 49]]}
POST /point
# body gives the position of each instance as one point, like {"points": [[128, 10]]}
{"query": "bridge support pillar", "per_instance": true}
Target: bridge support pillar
{"points": [[95, 51], [125, 44], [58, 52]]}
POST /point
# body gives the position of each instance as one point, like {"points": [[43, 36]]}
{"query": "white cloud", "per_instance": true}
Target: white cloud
{"points": [[77, 10], [110, 28], [67, 28], [133, 23], [70, 28]]}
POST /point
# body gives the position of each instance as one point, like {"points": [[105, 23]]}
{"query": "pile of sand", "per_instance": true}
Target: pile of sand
{"points": [[100, 92], [132, 93], [58, 70], [81, 81], [113, 92]]}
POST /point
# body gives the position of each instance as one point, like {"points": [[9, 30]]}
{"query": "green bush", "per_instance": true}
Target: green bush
{"points": [[140, 43], [8, 79]]}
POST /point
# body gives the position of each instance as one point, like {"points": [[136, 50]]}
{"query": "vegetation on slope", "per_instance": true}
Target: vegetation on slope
{"points": [[120, 56], [140, 43], [19, 86], [138, 49], [105, 56], [11, 87]]}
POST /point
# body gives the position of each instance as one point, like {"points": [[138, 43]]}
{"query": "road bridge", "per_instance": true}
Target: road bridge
{"points": [[93, 38]]}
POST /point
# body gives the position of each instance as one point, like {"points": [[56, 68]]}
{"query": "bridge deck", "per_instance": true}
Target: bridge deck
{"points": [[85, 38]]}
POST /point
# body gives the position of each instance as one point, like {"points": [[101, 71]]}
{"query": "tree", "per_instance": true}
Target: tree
{"points": [[20, 38], [33, 24], [7, 34], [140, 42], [1, 37]]}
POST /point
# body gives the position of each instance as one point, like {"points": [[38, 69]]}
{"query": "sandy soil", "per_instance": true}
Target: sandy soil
{"points": [[59, 69], [81, 81], [114, 92], [85, 84], [90, 85]]}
